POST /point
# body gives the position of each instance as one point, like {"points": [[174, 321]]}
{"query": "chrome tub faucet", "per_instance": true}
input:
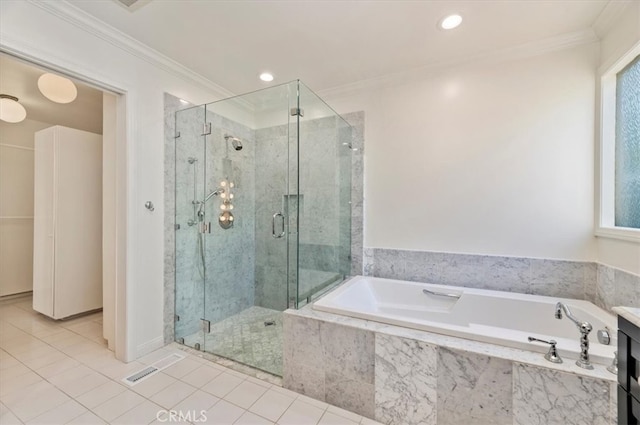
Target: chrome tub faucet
{"points": [[584, 328]]}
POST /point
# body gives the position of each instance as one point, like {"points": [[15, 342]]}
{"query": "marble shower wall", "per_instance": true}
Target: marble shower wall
{"points": [[271, 185], [323, 202], [230, 253], [567, 279], [404, 381]]}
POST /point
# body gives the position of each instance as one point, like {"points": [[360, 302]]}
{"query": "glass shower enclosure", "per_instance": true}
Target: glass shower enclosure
{"points": [[263, 218]]}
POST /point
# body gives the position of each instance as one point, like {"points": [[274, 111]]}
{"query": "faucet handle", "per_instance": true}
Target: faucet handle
{"points": [[552, 355]]}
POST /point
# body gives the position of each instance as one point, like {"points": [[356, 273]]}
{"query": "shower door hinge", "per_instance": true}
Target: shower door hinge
{"points": [[205, 325], [297, 111], [176, 318], [206, 129]]}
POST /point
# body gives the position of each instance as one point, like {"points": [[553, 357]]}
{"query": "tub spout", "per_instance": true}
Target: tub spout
{"points": [[584, 328]]}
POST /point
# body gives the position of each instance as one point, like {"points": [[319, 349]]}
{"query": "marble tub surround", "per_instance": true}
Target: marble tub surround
{"points": [[616, 287], [473, 388], [544, 396], [405, 371], [426, 378], [557, 278]]}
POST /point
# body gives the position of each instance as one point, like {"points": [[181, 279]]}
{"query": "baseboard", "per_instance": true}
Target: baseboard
{"points": [[149, 346], [13, 297]]}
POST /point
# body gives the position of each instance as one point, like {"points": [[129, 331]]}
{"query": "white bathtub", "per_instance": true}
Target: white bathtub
{"points": [[496, 317]]}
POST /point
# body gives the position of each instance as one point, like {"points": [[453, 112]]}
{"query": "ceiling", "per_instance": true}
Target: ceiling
{"points": [[20, 79], [331, 43]]}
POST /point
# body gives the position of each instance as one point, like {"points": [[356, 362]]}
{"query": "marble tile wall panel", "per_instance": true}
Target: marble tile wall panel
{"points": [[330, 362], [348, 358], [627, 287], [406, 374], [271, 186], [318, 257], [590, 281], [571, 279], [303, 357], [616, 288], [605, 287], [548, 397], [473, 389], [348, 351], [367, 262]]}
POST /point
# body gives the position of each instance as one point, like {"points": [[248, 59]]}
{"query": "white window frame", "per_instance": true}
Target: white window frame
{"points": [[605, 226]]}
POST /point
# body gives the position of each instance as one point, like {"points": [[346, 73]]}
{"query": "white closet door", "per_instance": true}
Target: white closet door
{"points": [[43, 222], [78, 264]]}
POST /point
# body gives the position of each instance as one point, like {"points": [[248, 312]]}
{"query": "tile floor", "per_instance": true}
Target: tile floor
{"points": [[54, 372]]}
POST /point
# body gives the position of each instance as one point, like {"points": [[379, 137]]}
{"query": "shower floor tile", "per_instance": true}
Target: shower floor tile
{"points": [[244, 338]]}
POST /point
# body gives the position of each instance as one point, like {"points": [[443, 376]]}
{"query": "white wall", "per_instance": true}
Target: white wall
{"points": [[490, 158], [38, 32], [109, 224], [16, 205], [616, 41]]}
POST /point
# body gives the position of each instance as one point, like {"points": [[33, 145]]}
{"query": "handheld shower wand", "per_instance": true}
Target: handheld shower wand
{"points": [[216, 192]]}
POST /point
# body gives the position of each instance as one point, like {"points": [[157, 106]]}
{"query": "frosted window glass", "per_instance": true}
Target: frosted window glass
{"points": [[627, 180]]}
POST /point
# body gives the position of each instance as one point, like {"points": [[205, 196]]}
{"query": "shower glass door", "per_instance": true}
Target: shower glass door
{"points": [[189, 239], [324, 189], [249, 225]]}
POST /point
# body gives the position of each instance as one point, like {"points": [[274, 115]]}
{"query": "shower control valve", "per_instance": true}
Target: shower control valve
{"points": [[205, 227]]}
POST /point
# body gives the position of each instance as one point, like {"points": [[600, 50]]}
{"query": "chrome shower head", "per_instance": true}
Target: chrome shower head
{"points": [[235, 142], [191, 160]]}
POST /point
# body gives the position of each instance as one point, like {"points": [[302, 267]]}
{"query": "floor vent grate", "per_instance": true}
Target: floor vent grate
{"points": [[151, 370], [133, 379]]}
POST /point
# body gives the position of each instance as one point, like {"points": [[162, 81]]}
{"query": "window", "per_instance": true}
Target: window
{"points": [[627, 145], [619, 200]]}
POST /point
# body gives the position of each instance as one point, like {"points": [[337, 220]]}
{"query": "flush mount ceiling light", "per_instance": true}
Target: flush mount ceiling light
{"points": [[57, 89], [450, 22], [10, 110], [265, 76]]}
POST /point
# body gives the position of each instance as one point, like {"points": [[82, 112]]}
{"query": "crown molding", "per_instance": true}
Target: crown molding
{"points": [[611, 13], [531, 49], [94, 26]]}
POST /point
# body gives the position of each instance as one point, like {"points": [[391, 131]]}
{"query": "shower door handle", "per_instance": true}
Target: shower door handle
{"points": [[273, 225]]}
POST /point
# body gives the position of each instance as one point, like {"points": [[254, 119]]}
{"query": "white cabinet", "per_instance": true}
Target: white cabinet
{"points": [[67, 248]]}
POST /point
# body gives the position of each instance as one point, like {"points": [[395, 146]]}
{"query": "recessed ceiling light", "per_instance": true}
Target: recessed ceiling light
{"points": [[57, 89], [450, 22], [10, 110], [265, 76]]}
